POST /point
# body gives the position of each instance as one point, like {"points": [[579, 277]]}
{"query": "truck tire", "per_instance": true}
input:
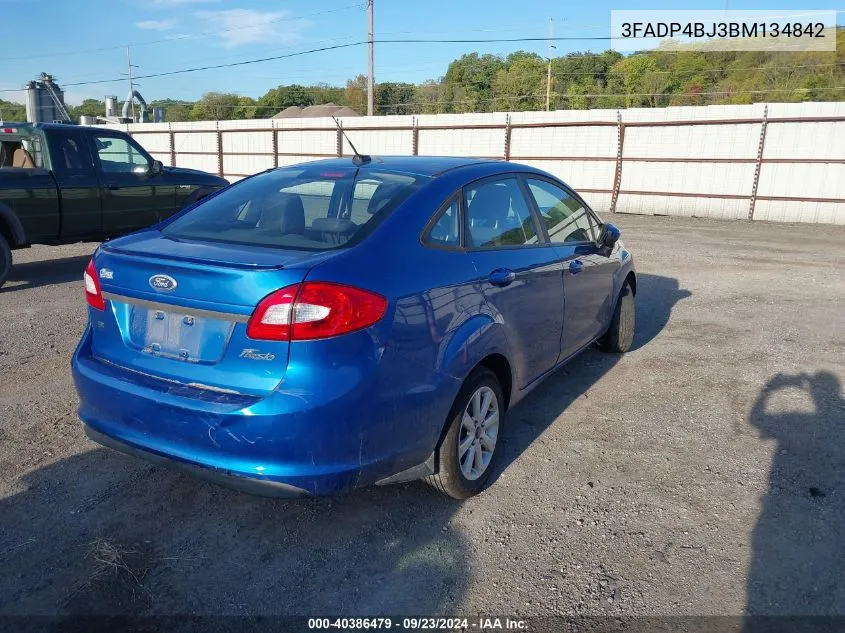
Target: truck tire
{"points": [[5, 260]]}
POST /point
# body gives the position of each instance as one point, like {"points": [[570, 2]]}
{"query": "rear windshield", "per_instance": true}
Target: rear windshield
{"points": [[307, 208]]}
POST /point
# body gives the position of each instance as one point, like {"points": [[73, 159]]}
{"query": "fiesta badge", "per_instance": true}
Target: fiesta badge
{"points": [[163, 282]]}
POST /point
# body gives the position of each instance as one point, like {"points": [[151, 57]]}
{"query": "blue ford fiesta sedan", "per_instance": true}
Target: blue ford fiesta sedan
{"points": [[322, 327]]}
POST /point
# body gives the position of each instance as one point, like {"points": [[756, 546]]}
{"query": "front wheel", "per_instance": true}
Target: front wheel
{"points": [[5, 260], [466, 453], [620, 335]]}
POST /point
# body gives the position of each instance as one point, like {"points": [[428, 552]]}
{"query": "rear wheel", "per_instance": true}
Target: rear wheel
{"points": [[620, 335], [5, 260], [467, 451]]}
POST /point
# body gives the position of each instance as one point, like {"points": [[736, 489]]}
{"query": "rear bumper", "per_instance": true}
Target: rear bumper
{"points": [[266, 488], [308, 437]]}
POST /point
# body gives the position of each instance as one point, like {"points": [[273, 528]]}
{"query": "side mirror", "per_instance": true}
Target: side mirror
{"points": [[156, 168], [609, 235]]}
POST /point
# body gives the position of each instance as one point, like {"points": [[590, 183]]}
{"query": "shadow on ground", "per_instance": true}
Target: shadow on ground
{"points": [[100, 533], [798, 554], [656, 297], [46, 272]]}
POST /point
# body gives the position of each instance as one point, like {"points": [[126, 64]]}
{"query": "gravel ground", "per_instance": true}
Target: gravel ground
{"points": [[702, 473]]}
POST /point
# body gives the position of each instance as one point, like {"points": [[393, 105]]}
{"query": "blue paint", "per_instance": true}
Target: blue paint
{"points": [[329, 415]]}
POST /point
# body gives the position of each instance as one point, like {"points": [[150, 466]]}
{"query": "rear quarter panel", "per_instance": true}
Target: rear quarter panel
{"points": [[438, 326]]}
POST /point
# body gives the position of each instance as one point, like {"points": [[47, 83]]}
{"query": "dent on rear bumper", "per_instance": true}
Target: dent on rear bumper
{"points": [[318, 443], [251, 485]]}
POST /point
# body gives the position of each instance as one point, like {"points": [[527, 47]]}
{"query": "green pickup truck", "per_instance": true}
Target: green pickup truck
{"points": [[64, 183]]}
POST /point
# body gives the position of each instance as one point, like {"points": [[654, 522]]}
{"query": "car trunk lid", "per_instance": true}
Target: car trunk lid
{"points": [[178, 310]]}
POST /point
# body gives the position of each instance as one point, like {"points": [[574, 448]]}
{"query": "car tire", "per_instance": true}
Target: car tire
{"points": [[461, 475], [5, 260], [620, 335]]}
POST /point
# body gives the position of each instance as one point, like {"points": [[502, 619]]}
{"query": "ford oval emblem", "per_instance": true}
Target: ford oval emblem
{"points": [[163, 282]]}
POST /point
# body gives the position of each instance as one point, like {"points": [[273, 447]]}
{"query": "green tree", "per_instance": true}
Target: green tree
{"points": [[246, 109], [521, 85], [174, 111], [428, 96], [277, 99], [394, 98], [89, 107], [216, 106], [356, 93], [324, 93], [468, 83], [10, 111], [642, 80]]}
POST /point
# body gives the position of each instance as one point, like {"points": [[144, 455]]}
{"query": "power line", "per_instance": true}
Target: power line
{"points": [[334, 47], [212, 67], [291, 18]]}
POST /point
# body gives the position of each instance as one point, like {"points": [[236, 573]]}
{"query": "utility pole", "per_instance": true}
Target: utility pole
{"points": [[131, 87], [549, 69], [370, 80]]}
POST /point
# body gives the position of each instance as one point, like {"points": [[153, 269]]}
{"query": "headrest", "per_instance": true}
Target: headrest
{"points": [[490, 206], [22, 158], [381, 198], [284, 214]]}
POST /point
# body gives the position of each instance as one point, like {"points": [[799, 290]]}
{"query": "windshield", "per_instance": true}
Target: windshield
{"points": [[308, 208]]}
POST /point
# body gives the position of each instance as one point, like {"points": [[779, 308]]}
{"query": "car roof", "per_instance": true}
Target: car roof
{"points": [[416, 165]]}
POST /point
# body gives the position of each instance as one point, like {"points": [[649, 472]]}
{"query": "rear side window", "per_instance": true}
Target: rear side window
{"points": [[21, 152], [446, 230], [565, 217], [307, 208], [497, 215], [69, 154]]}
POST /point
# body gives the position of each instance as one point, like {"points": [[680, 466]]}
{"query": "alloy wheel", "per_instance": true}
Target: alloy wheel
{"points": [[478, 433]]}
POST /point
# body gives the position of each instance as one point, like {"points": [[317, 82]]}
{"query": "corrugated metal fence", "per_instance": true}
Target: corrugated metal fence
{"points": [[779, 162]]}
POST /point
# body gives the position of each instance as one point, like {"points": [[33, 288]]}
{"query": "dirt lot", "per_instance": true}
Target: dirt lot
{"points": [[703, 473]]}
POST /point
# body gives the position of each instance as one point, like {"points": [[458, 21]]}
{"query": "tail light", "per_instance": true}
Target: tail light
{"points": [[314, 310], [93, 294]]}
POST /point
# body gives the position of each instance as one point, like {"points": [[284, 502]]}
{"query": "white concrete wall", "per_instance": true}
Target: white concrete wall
{"points": [[660, 164]]}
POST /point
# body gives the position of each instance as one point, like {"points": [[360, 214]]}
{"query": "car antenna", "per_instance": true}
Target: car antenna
{"points": [[357, 159]]}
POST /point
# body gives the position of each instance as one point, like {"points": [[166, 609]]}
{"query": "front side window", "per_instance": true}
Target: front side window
{"points": [[119, 156], [497, 215], [307, 208], [565, 218]]}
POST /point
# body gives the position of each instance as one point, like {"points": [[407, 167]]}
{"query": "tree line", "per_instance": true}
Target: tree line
{"points": [[519, 81]]}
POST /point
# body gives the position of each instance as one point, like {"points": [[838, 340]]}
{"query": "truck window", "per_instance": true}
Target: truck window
{"points": [[22, 152], [69, 154], [119, 156]]}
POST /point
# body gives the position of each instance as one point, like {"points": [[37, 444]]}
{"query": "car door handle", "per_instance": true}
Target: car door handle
{"points": [[502, 277], [576, 266], [112, 187]]}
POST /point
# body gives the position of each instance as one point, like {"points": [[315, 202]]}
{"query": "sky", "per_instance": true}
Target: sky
{"points": [[86, 41]]}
